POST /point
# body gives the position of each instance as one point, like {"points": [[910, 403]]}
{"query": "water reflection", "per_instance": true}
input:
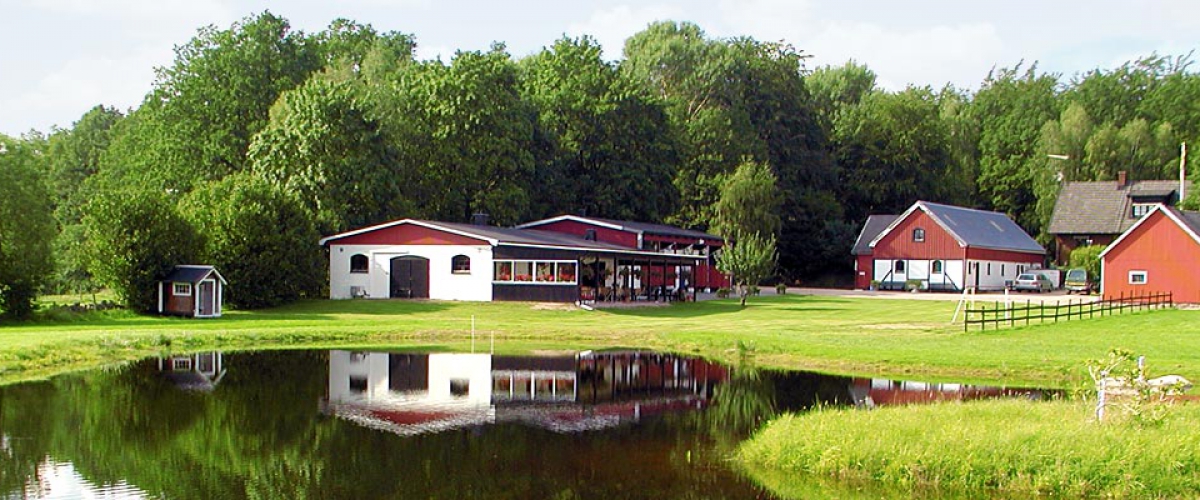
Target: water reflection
{"points": [[410, 394], [343, 424]]}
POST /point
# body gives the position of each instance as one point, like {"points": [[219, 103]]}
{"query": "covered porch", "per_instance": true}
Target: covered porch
{"points": [[606, 278]]}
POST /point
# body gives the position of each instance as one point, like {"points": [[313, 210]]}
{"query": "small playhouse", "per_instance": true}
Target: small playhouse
{"points": [[191, 291]]}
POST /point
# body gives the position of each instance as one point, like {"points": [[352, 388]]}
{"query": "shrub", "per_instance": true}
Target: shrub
{"points": [[722, 293], [781, 289]]}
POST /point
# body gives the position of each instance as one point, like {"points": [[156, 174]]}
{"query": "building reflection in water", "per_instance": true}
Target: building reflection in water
{"points": [[194, 372], [411, 394], [869, 393]]}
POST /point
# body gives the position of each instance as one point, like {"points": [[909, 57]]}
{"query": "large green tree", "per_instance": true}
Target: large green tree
{"points": [[261, 239], [749, 203], [134, 238], [611, 153], [26, 224]]}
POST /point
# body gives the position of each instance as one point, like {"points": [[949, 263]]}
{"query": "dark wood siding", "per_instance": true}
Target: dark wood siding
{"points": [[535, 293], [183, 305], [899, 244], [603, 234], [1004, 255]]}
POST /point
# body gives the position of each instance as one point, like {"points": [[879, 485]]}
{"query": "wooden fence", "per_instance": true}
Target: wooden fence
{"points": [[1016, 314]]}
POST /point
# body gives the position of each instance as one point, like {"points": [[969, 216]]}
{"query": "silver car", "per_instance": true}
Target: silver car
{"points": [[1033, 282]]}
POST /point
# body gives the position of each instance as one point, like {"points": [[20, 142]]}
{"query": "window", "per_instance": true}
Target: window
{"points": [[919, 235], [936, 267], [1137, 277], [989, 269], [1001, 269], [536, 271], [899, 266], [359, 263], [182, 289], [1140, 209], [460, 264]]}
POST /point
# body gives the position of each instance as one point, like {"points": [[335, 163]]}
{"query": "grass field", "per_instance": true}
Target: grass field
{"points": [[1008, 449], [861, 336]]}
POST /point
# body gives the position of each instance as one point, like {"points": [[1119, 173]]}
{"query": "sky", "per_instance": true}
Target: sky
{"points": [[59, 58]]}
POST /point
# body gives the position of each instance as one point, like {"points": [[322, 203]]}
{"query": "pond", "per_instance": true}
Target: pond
{"points": [[352, 424]]}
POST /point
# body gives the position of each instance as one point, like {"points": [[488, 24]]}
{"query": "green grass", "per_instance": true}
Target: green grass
{"points": [[1016, 449], [863, 336]]}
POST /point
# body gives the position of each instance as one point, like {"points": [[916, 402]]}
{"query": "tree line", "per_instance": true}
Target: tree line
{"points": [[259, 138]]}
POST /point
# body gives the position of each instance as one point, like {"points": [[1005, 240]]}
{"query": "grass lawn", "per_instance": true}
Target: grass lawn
{"points": [[865, 336]]}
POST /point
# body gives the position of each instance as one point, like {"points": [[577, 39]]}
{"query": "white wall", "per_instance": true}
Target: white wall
{"points": [[443, 284], [1000, 272]]}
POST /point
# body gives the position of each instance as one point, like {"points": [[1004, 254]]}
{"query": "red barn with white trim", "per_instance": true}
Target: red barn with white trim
{"points": [[1160, 253]]}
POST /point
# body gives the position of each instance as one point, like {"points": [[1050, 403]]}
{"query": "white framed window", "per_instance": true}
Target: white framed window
{"points": [[181, 289], [919, 235], [359, 263], [460, 264], [1137, 277], [1140, 209], [899, 267], [556, 272]]}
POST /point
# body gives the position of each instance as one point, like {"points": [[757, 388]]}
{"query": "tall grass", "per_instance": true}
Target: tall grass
{"points": [[983, 449]]}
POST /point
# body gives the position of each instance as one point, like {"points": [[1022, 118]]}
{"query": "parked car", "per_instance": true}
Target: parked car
{"points": [[1077, 281], [1033, 282]]}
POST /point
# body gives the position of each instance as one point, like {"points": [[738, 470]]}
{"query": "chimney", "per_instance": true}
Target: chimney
{"points": [[479, 219], [1182, 171], [1122, 178]]}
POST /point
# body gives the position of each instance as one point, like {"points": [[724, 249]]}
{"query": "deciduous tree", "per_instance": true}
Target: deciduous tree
{"points": [[26, 224]]}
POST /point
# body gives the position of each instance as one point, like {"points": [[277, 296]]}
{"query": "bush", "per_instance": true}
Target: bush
{"points": [[1088, 258], [913, 285], [781, 289], [722, 293]]}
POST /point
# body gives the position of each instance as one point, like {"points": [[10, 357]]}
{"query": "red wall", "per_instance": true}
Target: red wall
{"points": [[603, 234], [407, 234], [1170, 257], [865, 272], [1003, 255], [177, 304], [898, 244]]}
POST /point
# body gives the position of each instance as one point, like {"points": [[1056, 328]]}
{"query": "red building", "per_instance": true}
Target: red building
{"points": [[644, 236], [192, 291], [1160, 253], [943, 247]]}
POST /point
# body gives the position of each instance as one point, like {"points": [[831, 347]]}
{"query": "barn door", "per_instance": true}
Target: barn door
{"points": [[410, 278], [208, 298]]}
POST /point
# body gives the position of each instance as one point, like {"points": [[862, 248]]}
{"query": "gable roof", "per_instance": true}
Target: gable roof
{"points": [[1105, 207], [497, 236], [192, 274], [973, 228], [1188, 221], [875, 224], [630, 226]]}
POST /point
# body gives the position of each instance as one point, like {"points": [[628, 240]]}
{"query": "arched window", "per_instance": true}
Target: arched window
{"points": [[460, 264], [919, 235], [936, 267], [899, 266], [359, 263]]}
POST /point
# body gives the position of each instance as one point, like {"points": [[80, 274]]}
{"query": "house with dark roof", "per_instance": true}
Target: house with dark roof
{"points": [[412, 258], [192, 291], [1096, 213], [944, 247], [1158, 253], [646, 236]]}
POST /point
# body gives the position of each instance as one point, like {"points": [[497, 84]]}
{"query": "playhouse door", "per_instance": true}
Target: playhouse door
{"points": [[208, 298], [410, 278]]}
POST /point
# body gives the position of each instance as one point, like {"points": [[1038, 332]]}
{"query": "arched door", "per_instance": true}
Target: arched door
{"points": [[410, 277]]}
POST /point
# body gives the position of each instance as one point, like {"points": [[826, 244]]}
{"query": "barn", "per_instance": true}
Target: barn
{"points": [[1159, 253], [192, 291], [944, 247], [421, 259]]}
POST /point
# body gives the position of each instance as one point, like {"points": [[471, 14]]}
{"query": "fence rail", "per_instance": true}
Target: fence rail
{"points": [[1015, 314]]}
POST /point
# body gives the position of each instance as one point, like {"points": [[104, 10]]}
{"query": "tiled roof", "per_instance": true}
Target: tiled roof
{"points": [[1104, 207], [982, 229], [875, 225], [1189, 219]]}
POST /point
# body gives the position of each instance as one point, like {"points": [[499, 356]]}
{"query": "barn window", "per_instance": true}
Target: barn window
{"points": [[919, 235], [899, 266], [358, 263], [936, 267], [1140, 209], [184, 289], [460, 264], [1137, 277]]}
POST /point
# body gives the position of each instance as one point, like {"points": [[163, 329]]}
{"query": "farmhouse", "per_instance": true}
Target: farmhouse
{"points": [[193, 291], [645, 236], [412, 258], [1159, 253], [1096, 213], [943, 247]]}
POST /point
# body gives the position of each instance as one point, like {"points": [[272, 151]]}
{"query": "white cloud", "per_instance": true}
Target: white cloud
{"points": [[432, 52], [960, 54], [768, 20], [612, 26]]}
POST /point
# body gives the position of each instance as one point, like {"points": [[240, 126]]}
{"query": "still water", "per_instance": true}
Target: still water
{"points": [[350, 424]]}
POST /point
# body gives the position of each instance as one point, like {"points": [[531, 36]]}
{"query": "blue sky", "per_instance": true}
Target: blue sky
{"points": [[58, 58]]}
